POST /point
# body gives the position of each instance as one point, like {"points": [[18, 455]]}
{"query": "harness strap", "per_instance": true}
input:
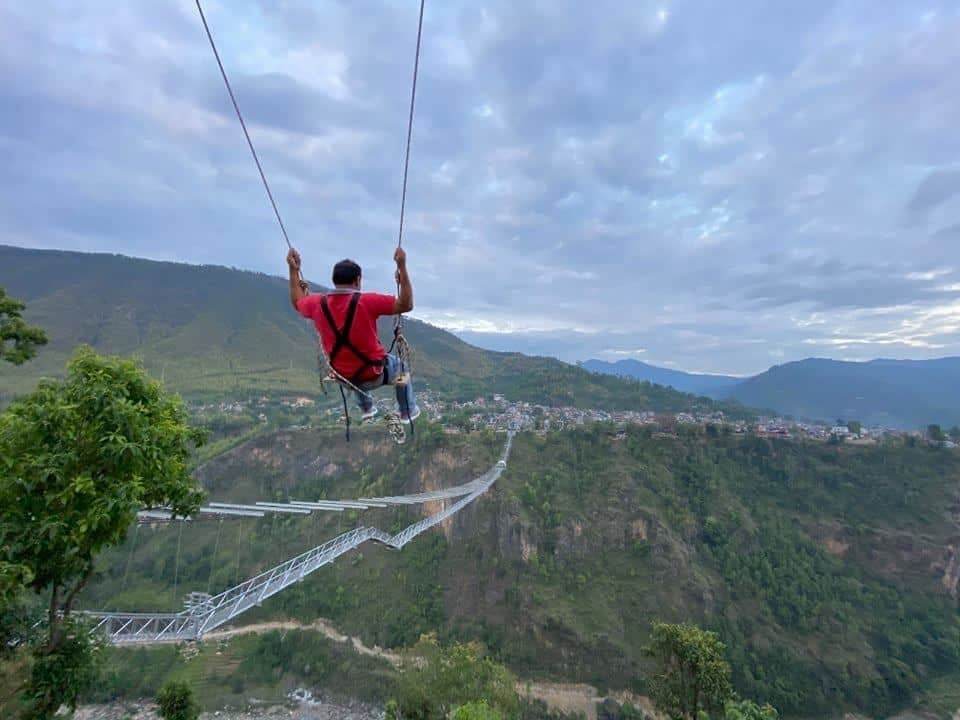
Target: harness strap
{"points": [[346, 412], [342, 338]]}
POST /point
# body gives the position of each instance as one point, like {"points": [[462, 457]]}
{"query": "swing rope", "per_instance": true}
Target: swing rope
{"points": [[403, 348], [413, 99], [246, 134]]}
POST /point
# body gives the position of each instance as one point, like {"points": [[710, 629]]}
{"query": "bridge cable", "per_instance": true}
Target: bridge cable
{"points": [[236, 580], [213, 560], [176, 566], [133, 545]]}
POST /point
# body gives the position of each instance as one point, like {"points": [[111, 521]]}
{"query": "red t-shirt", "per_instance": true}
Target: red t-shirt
{"points": [[363, 332]]}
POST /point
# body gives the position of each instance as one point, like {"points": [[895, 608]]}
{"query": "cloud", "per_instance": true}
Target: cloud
{"points": [[722, 186], [937, 187]]}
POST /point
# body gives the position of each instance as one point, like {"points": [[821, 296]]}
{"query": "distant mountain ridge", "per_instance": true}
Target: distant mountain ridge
{"points": [[891, 393], [697, 383], [210, 330]]}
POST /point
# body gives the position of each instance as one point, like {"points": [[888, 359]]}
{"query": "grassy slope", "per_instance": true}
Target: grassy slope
{"points": [[228, 673], [587, 539], [216, 331]]}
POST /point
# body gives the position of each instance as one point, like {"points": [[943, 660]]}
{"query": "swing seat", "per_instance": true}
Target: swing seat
{"points": [[332, 376]]}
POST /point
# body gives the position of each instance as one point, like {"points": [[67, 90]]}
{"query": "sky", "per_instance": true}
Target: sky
{"points": [[716, 186]]}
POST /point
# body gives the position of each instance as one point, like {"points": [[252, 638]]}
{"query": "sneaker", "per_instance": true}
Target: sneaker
{"points": [[410, 418], [369, 414]]}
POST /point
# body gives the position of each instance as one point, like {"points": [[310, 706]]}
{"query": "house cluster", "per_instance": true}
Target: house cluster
{"points": [[498, 413]]}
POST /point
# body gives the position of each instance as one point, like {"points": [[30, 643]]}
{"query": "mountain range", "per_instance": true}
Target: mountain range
{"points": [[829, 571], [216, 331], [211, 330], [699, 383], [889, 393]]}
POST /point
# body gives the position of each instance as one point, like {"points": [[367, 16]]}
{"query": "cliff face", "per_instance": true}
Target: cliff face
{"points": [[823, 569]]}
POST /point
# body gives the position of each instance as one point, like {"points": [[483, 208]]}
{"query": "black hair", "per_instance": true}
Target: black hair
{"points": [[345, 272]]}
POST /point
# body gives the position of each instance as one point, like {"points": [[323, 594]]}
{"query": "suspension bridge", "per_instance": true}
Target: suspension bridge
{"points": [[204, 612]]}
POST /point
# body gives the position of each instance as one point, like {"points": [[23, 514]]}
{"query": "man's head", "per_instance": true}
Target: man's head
{"points": [[346, 273]]}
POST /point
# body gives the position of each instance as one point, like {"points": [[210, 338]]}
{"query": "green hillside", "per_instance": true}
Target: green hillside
{"points": [[830, 571], [215, 331]]}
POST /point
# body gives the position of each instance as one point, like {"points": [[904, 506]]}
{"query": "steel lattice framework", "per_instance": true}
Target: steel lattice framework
{"points": [[206, 612]]}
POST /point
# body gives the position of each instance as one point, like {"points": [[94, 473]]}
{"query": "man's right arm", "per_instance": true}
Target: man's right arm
{"points": [[404, 301], [297, 290]]}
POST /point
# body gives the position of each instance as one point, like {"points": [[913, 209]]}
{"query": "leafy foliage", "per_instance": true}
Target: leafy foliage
{"points": [[477, 710], [62, 672], [749, 710], [692, 675], [176, 701], [78, 458], [18, 340], [435, 680], [12, 579]]}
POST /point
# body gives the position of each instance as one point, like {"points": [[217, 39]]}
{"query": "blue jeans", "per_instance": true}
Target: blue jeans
{"points": [[392, 367]]}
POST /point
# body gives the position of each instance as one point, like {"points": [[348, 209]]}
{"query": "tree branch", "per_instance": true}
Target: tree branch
{"points": [[81, 583], [52, 619]]}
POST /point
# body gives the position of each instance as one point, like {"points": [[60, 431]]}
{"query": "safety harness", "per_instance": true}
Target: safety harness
{"points": [[342, 340]]}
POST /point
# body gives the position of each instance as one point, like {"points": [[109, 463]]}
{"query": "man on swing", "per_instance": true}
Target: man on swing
{"points": [[346, 319]]}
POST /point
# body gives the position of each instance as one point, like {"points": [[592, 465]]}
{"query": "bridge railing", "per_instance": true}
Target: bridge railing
{"points": [[212, 612]]}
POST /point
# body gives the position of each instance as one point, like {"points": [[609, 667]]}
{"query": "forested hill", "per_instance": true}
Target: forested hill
{"points": [[831, 572], [891, 393], [210, 330]]}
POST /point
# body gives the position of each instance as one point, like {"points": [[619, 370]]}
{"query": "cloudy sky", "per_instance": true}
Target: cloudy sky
{"points": [[711, 185]]}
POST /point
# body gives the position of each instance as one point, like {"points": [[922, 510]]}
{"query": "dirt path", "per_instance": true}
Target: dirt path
{"points": [[566, 697], [321, 626]]}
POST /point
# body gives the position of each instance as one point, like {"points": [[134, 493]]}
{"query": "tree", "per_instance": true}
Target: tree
{"points": [[435, 680], [477, 710], [954, 433], [935, 433], [18, 341], [176, 702], [60, 676], [749, 710], [15, 615], [78, 459], [855, 427], [693, 676]]}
